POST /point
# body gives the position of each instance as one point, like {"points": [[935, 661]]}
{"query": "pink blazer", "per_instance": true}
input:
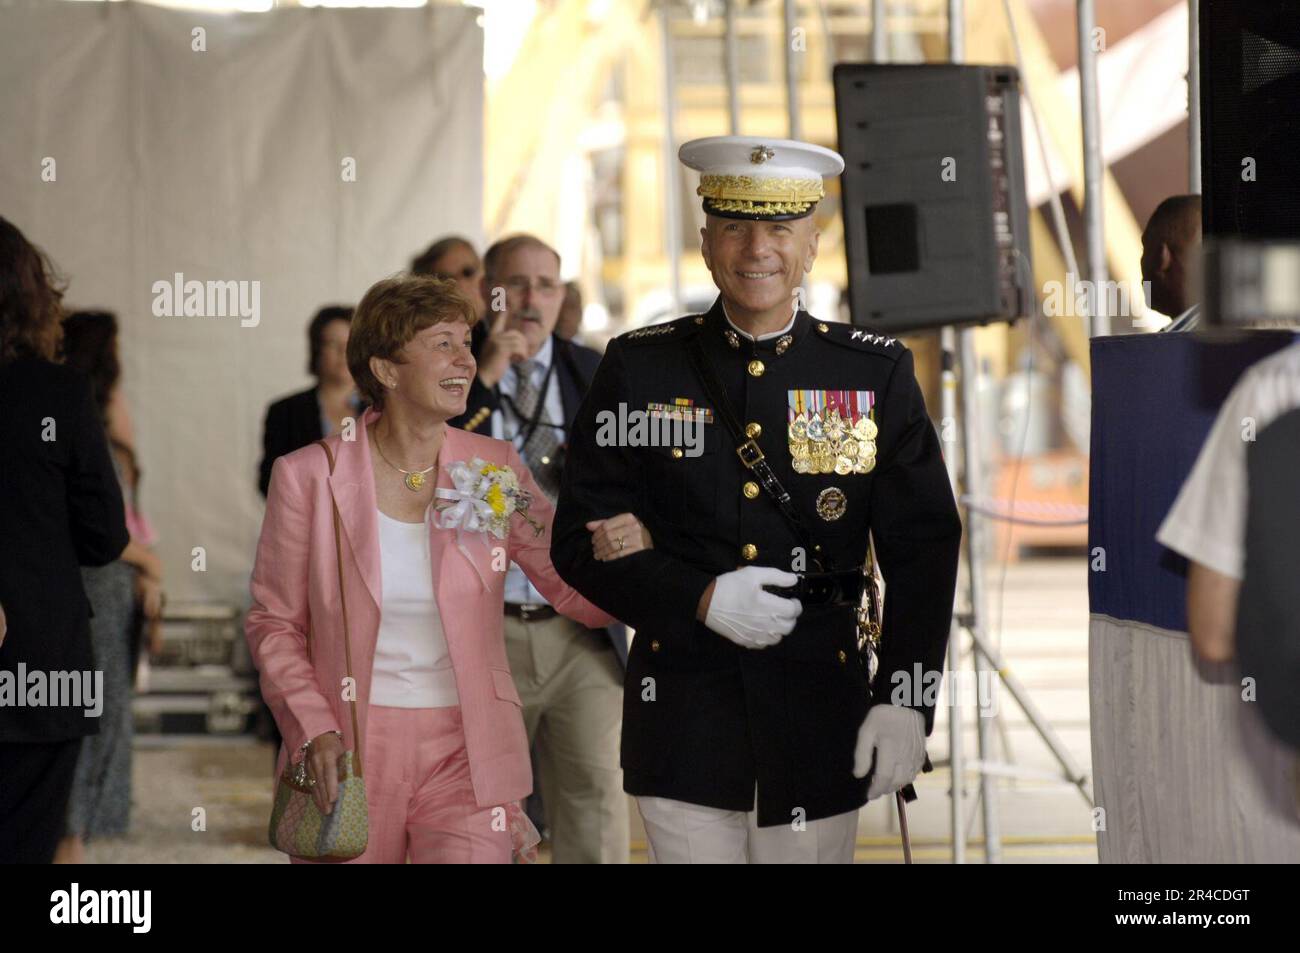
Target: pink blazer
{"points": [[295, 587]]}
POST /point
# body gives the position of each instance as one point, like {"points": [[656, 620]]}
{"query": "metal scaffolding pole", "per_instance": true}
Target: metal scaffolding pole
{"points": [[1194, 97], [672, 169], [1094, 224], [967, 364], [879, 33], [948, 408], [732, 62], [791, 72]]}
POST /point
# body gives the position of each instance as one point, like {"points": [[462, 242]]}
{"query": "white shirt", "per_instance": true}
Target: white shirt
{"points": [[412, 663], [1207, 523], [506, 426]]}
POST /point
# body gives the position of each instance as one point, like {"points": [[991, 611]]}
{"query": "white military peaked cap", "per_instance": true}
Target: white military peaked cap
{"points": [[767, 179]]}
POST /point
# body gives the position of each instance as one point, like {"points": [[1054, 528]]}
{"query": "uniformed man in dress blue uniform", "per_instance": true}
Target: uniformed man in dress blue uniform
{"points": [[751, 730]]}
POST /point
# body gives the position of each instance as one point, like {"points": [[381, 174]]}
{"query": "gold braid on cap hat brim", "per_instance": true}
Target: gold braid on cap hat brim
{"points": [[760, 195]]}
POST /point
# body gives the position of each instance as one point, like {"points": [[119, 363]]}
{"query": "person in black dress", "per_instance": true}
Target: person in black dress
{"points": [[299, 419], [62, 509]]}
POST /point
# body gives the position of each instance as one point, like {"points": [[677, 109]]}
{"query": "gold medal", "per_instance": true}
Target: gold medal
{"points": [[843, 466], [799, 428], [864, 464], [865, 428], [414, 481], [849, 447], [801, 464]]}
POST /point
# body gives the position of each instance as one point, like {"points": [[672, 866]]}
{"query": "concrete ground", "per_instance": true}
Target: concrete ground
{"points": [[1038, 617]]}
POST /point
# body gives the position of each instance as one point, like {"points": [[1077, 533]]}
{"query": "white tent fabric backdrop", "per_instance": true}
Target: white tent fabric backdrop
{"points": [[231, 164]]}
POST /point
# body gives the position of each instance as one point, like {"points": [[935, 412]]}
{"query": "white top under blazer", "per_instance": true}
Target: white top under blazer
{"points": [[412, 662]]}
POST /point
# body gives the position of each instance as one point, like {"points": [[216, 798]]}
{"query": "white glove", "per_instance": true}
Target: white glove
{"points": [[741, 611], [898, 737]]}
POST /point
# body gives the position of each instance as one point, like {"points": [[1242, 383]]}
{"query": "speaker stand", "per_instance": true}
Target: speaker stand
{"points": [[960, 367]]}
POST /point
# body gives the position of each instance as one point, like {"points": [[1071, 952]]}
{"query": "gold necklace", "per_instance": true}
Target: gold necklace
{"points": [[414, 479]]}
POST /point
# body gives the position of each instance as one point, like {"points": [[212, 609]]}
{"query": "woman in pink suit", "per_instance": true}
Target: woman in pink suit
{"points": [[443, 741]]}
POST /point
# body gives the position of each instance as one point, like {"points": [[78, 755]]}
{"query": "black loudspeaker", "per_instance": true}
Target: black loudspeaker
{"points": [[1250, 118], [936, 223]]}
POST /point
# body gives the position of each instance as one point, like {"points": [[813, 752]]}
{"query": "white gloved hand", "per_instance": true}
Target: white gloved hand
{"points": [[741, 611], [897, 735]]}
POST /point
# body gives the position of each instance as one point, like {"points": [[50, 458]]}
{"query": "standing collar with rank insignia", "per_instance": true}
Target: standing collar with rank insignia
{"points": [[714, 322]]}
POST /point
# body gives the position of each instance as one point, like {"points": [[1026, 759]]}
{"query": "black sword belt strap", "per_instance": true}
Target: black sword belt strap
{"points": [[748, 450]]}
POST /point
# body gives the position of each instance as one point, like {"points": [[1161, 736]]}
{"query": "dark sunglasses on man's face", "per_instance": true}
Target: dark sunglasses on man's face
{"points": [[469, 271]]}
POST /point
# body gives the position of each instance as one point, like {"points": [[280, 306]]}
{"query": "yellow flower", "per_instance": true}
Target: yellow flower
{"points": [[489, 468], [496, 499]]}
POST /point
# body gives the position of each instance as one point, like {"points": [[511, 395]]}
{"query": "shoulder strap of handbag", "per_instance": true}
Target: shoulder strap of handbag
{"points": [[748, 450], [343, 605]]}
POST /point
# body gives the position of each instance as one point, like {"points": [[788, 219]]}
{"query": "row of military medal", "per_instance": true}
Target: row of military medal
{"points": [[827, 443]]}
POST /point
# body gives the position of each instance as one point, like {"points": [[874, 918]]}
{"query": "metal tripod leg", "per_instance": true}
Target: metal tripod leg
{"points": [[948, 409], [973, 466]]}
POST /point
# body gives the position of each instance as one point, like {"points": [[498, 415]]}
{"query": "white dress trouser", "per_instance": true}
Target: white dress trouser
{"points": [[682, 833]]}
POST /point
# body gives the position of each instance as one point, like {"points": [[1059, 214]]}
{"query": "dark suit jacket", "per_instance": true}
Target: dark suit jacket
{"points": [[62, 509], [575, 366], [291, 423]]}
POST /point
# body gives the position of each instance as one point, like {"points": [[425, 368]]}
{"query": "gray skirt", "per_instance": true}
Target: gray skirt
{"points": [[100, 804]]}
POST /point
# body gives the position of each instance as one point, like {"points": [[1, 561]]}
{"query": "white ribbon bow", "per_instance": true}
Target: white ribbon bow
{"points": [[467, 511]]}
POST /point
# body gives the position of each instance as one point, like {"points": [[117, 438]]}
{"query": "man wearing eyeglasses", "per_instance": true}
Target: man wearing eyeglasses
{"points": [[529, 386]]}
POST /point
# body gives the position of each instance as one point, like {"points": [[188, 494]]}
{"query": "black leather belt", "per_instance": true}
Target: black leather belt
{"points": [[530, 613], [842, 587]]}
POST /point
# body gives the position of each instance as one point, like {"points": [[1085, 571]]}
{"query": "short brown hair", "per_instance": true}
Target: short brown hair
{"points": [[393, 312]]}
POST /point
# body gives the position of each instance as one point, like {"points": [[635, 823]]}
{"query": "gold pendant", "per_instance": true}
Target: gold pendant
{"points": [[414, 481]]}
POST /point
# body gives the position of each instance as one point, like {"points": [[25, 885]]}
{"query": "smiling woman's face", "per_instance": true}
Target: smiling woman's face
{"points": [[757, 265], [434, 372]]}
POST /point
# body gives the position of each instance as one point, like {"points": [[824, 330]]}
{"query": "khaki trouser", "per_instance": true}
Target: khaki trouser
{"points": [[571, 684]]}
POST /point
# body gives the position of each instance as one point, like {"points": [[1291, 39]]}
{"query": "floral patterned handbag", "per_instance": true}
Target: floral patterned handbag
{"points": [[297, 825]]}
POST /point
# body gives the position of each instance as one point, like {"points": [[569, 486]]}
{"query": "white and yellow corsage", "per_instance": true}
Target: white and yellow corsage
{"points": [[485, 497]]}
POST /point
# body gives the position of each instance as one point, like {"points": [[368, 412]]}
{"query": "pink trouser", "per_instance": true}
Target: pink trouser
{"points": [[419, 794]]}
